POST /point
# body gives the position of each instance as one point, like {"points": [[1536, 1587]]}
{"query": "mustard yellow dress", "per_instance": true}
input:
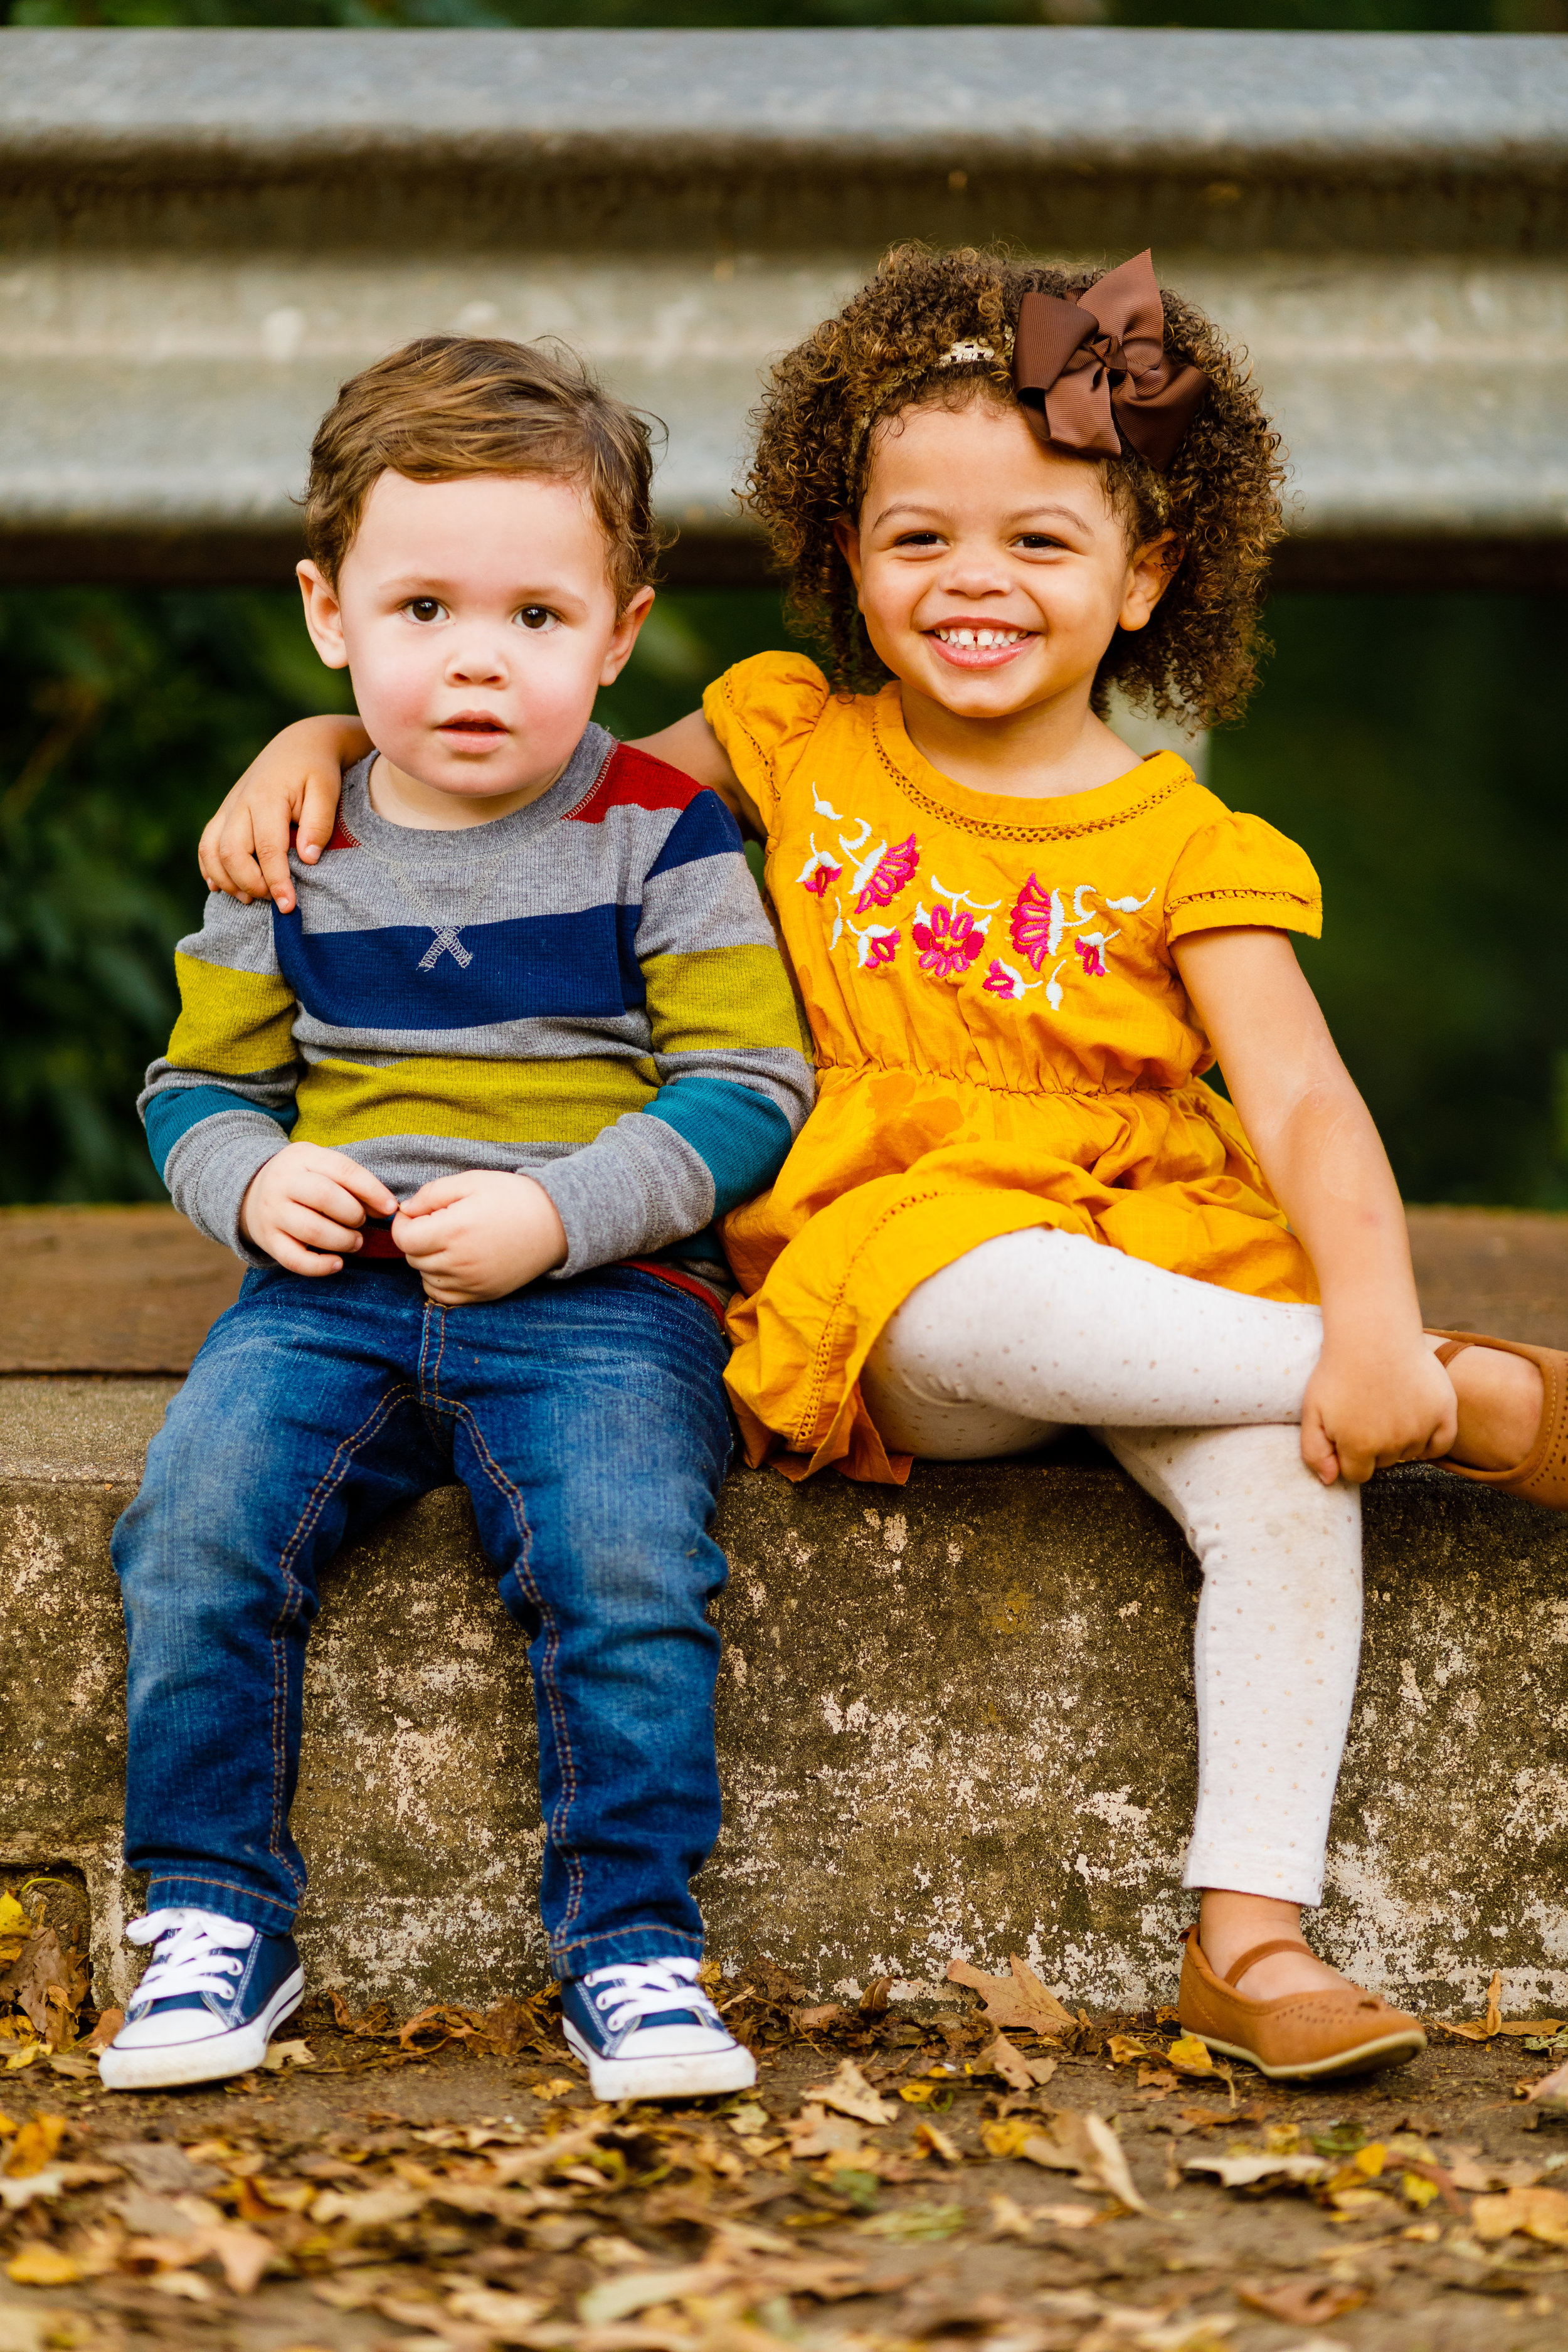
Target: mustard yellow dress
{"points": [[1002, 1039]]}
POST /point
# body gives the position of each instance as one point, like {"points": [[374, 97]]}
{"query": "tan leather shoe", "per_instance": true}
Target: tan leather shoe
{"points": [[1299, 2036], [1542, 1475]]}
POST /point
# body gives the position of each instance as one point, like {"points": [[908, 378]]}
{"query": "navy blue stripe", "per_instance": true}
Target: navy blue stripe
{"points": [[582, 967], [703, 829], [173, 1113], [741, 1135]]}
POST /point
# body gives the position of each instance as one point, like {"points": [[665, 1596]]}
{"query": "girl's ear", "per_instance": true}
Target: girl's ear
{"points": [[848, 535], [323, 614], [1149, 572]]}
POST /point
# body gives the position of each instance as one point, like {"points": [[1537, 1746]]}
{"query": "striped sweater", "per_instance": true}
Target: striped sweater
{"points": [[587, 990]]}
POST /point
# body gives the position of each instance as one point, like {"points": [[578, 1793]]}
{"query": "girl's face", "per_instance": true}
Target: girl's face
{"points": [[991, 572]]}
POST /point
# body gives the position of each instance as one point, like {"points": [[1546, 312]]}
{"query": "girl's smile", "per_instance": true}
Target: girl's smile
{"points": [[991, 574]]}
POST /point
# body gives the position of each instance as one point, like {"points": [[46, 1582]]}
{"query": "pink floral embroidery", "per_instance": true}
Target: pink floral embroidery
{"points": [[1091, 957], [1036, 922], [893, 870], [1003, 981], [948, 943], [818, 874], [877, 946]]}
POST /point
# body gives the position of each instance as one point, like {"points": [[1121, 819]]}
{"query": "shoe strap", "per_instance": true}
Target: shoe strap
{"points": [[1452, 1348], [1238, 1969]]}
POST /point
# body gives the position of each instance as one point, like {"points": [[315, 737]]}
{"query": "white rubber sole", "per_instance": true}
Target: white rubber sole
{"points": [[221, 2055], [696, 2078], [1393, 2050]]}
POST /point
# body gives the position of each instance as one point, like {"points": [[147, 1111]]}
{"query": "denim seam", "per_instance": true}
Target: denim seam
{"points": [[225, 1886], [549, 1681], [331, 1477], [565, 1948]]}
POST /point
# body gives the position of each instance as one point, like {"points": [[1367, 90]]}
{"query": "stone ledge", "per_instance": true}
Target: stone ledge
{"points": [[957, 1717]]}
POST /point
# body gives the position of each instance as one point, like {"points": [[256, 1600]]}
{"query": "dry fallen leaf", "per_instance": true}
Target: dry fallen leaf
{"points": [[814, 2132], [1301, 2303], [281, 2054], [1124, 2049], [999, 2057], [40, 2264], [35, 2145], [849, 2094], [1248, 2172], [505, 2318], [1188, 2055], [936, 2142], [1084, 2144], [1540, 2213], [1551, 2090], [1020, 2001], [618, 2298]]}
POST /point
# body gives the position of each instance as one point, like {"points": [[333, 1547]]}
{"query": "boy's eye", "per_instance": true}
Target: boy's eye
{"points": [[538, 617], [424, 608]]}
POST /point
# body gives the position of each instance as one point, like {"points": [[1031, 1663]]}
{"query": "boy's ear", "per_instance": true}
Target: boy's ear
{"points": [[1149, 572], [619, 652], [323, 614]]}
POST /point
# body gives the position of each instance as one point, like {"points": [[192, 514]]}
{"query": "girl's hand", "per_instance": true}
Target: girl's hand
{"points": [[480, 1235], [1374, 1400], [298, 780]]}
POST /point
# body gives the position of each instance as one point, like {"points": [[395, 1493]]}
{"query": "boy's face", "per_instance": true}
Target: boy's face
{"points": [[478, 620]]}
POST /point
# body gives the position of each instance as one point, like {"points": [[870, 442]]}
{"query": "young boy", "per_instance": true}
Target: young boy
{"points": [[467, 1111]]}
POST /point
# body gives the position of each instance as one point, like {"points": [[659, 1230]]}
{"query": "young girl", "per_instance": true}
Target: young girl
{"points": [[997, 492]]}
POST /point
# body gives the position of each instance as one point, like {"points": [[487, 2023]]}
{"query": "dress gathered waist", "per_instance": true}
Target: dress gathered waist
{"points": [[869, 1062]]}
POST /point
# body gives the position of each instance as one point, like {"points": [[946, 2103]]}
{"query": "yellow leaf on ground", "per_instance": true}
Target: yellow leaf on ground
{"points": [[1123, 2049], [42, 2266], [35, 2145], [14, 1920], [1006, 2137], [936, 2142], [1188, 2055]]}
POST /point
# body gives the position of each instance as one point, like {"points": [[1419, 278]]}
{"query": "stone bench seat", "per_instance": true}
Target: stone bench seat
{"points": [[956, 1718]]}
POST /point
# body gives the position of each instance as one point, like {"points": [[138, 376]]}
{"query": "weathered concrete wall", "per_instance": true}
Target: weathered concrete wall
{"points": [[205, 232], [955, 1718]]}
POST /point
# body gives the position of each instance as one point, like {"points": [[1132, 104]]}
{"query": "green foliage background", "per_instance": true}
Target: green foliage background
{"points": [[1407, 741]]}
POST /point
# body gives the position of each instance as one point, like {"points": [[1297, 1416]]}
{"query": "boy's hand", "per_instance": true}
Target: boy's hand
{"points": [[480, 1235], [1373, 1401], [298, 779], [306, 1207]]}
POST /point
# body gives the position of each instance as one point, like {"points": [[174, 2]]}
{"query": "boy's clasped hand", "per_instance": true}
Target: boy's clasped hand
{"points": [[475, 1235]]}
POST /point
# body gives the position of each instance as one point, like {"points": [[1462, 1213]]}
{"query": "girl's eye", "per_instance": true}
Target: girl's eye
{"points": [[539, 617], [918, 539], [1037, 543], [424, 608]]}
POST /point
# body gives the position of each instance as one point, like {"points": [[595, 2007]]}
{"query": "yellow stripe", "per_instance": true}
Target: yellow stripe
{"points": [[721, 1000], [232, 1022], [475, 1101]]}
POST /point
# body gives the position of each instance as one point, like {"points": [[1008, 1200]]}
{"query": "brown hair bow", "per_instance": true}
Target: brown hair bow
{"points": [[1083, 369]]}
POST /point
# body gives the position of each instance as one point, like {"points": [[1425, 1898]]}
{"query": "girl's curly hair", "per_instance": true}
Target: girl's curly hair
{"points": [[1197, 659]]}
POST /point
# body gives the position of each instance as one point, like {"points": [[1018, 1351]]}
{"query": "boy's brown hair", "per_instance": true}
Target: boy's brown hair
{"points": [[447, 406], [884, 353]]}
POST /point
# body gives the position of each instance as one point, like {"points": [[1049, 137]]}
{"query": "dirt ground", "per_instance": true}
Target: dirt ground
{"points": [[452, 2184]]}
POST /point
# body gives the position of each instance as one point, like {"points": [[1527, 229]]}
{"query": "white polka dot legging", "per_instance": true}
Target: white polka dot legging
{"points": [[1198, 1392]]}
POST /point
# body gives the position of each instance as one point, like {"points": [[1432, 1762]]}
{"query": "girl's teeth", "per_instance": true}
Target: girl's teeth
{"points": [[981, 640]]}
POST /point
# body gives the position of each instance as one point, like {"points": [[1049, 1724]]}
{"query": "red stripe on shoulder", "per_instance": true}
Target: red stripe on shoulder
{"points": [[341, 838], [634, 780]]}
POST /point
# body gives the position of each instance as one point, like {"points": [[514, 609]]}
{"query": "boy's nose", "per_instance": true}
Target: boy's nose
{"points": [[476, 663]]}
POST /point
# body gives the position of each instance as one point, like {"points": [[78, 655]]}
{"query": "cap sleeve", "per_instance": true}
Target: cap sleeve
{"points": [[1240, 870], [763, 711]]}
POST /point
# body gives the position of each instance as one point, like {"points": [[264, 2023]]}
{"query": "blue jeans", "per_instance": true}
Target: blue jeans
{"points": [[587, 1420]]}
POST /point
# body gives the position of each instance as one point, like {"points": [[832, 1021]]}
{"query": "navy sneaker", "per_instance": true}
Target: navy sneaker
{"points": [[208, 2005], [647, 2031]]}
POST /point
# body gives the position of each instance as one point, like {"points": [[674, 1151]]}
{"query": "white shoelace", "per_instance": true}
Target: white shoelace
{"points": [[192, 1955], [639, 1988]]}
